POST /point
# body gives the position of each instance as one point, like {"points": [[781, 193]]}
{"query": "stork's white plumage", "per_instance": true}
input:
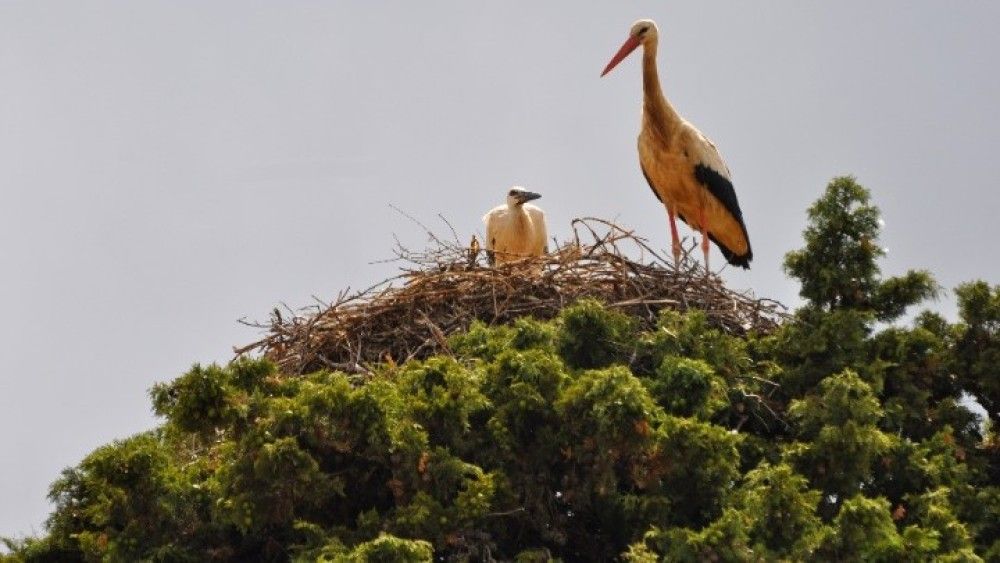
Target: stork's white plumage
{"points": [[516, 229], [684, 169]]}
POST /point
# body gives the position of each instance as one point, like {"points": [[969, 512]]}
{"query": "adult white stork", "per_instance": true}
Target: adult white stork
{"points": [[684, 169], [516, 229]]}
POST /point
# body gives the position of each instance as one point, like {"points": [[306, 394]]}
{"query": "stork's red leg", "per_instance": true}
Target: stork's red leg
{"points": [[704, 235], [675, 240]]}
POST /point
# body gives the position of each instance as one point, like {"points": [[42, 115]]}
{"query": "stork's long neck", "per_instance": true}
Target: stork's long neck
{"points": [[657, 110]]}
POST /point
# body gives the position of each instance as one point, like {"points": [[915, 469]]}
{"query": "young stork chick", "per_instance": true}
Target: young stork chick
{"points": [[516, 229]]}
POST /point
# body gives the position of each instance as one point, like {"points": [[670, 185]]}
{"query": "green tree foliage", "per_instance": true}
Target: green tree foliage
{"points": [[977, 338], [838, 268], [588, 437], [838, 437]]}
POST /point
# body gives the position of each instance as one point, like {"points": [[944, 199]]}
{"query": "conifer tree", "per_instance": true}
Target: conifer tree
{"points": [[838, 267], [844, 291], [593, 436]]}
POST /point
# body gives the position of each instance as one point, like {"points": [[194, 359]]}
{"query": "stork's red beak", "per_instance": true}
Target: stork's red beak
{"points": [[630, 44]]}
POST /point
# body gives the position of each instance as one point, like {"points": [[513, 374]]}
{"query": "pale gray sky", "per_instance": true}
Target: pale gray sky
{"points": [[169, 167]]}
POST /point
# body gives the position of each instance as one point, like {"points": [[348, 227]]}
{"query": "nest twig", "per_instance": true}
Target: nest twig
{"points": [[447, 287]]}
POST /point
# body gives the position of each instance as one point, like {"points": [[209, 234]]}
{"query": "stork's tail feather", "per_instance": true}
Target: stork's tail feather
{"points": [[741, 260]]}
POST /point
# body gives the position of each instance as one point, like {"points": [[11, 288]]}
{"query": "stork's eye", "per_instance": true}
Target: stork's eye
{"points": [[643, 30], [512, 192]]}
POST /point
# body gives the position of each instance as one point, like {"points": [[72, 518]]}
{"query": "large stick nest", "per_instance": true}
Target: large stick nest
{"points": [[447, 287]]}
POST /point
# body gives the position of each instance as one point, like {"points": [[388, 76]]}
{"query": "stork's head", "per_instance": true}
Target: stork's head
{"points": [[518, 196], [643, 32]]}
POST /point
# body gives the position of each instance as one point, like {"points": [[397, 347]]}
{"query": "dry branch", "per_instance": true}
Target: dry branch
{"points": [[443, 290]]}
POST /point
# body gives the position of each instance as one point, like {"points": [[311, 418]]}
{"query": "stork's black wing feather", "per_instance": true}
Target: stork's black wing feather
{"points": [[720, 187]]}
